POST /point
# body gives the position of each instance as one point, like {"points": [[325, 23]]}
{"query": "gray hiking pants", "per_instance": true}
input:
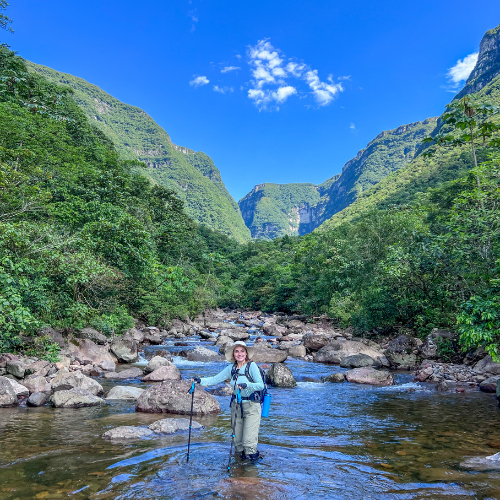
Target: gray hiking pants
{"points": [[246, 431]]}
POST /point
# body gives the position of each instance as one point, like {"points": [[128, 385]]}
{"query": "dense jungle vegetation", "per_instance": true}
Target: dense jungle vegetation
{"points": [[85, 240]]}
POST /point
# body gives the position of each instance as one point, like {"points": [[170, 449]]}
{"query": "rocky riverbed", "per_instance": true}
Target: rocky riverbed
{"points": [[134, 389]]}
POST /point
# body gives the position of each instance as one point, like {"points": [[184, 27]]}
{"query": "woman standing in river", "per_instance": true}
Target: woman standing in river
{"points": [[245, 416]]}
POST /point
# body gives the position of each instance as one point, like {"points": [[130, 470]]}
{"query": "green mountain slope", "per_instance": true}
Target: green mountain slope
{"points": [[192, 175], [272, 210], [423, 173]]}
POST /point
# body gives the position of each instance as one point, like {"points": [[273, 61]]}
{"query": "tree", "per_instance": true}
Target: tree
{"points": [[4, 20]]}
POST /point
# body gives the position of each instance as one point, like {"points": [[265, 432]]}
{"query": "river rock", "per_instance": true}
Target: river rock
{"points": [[16, 368], [315, 341], [5, 357], [134, 372], [369, 376], [235, 334], [155, 363], [487, 365], [54, 335], [280, 375], [423, 375], [337, 350], [442, 386], [134, 334], [37, 399], [203, 354], [490, 384], [263, 353], [7, 394], [297, 351], [107, 365], [74, 398], [491, 462], [172, 396], [86, 351], [166, 372], [125, 392], [359, 361], [125, 350], [171, 425], [76, 380], [152, 337], [335, 378], [91, 334], [205, 334], [429, 348], [18, 388], [400, 353], [274, 330], [40, 367], [36, 383], [127, 432]]}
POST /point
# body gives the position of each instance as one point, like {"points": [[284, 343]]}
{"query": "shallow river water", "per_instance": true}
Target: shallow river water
{"points": [[338, 441]]}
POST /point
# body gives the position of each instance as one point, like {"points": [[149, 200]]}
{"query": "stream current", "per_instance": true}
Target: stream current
{"points": [[321, 440]]}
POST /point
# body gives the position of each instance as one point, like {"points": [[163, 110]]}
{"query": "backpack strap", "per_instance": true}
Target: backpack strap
{"points": [[247, 372]]}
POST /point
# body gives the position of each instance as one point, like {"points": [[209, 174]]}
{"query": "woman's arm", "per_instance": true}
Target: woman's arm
{"points": [[220, 377]]}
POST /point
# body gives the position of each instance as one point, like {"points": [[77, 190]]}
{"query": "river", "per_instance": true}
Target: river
{"points": [[339, 441]]}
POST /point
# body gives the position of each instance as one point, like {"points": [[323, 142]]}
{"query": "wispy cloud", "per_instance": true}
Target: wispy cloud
{"points": [[223, 90], [270, 70], [199, 81], [227, 69], [352, 126], [459, 73], [192, 15]]}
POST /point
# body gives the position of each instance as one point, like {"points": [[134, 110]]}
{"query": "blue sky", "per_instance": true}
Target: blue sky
{"points": [[274, 91]]}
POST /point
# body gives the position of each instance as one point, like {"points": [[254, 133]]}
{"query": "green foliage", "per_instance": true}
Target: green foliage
{"points": [[4, 20], [43, 348]]}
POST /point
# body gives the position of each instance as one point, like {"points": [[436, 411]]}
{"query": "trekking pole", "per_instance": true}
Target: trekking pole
{"points": [[191, 391], [233, 426]]}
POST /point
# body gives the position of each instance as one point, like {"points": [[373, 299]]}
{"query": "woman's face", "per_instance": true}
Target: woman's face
{"points": [[240, 353]]}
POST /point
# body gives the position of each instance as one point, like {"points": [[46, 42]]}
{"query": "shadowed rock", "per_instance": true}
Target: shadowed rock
{"points": [[91, 334], [315, 341], [335, 378], [280, 375], [359, 361], [172, 396], [37, 399], [18, 388], [490, 384]]}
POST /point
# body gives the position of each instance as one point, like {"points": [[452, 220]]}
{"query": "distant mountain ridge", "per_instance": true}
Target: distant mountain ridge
{"points": [[273, 210], [192, 175]]}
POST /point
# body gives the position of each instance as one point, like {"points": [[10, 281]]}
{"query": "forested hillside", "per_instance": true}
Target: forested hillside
{"points": [[272, 210], [136, 136]]}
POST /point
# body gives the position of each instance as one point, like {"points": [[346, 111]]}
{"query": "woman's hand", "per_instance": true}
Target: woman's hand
{"points": [[242, 386], [196, 379]]}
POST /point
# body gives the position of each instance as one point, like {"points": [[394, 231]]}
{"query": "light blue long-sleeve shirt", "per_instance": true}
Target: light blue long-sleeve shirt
{"points": [[225, 374]]}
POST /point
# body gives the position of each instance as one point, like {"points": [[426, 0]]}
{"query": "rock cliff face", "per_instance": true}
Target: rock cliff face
{"points": [[192, 175], [273, 210], [488, 63]]}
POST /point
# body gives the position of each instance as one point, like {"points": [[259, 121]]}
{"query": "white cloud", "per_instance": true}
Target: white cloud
{"points": [[223, 90], [462, 69], [199, 81], [227, 69], [271, 70], [352, 126], [348, 77]]}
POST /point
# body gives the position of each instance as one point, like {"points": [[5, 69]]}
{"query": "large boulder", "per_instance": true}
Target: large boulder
{"points": [[203, 354], [490, 384], [40, 368], [74, 398], [19, 389], [76, 380], [125, 374], [487, 366], [263, 353], [235, 334], [297, 351], [273, 329], [16, 368], [172, 396], [127, 432], [171, 425], [155, 363], [400, 353], [166, 372], [134, 334], [180, 326], [369, 376], [337, 350], [86, 351], [7, 394], [124, 392], [36, 383], [54, 335], [429, 348], [37, 399], [359, 361], [91, 334], [125, 350], [152, 336], [280, 375], [314, 341]]}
